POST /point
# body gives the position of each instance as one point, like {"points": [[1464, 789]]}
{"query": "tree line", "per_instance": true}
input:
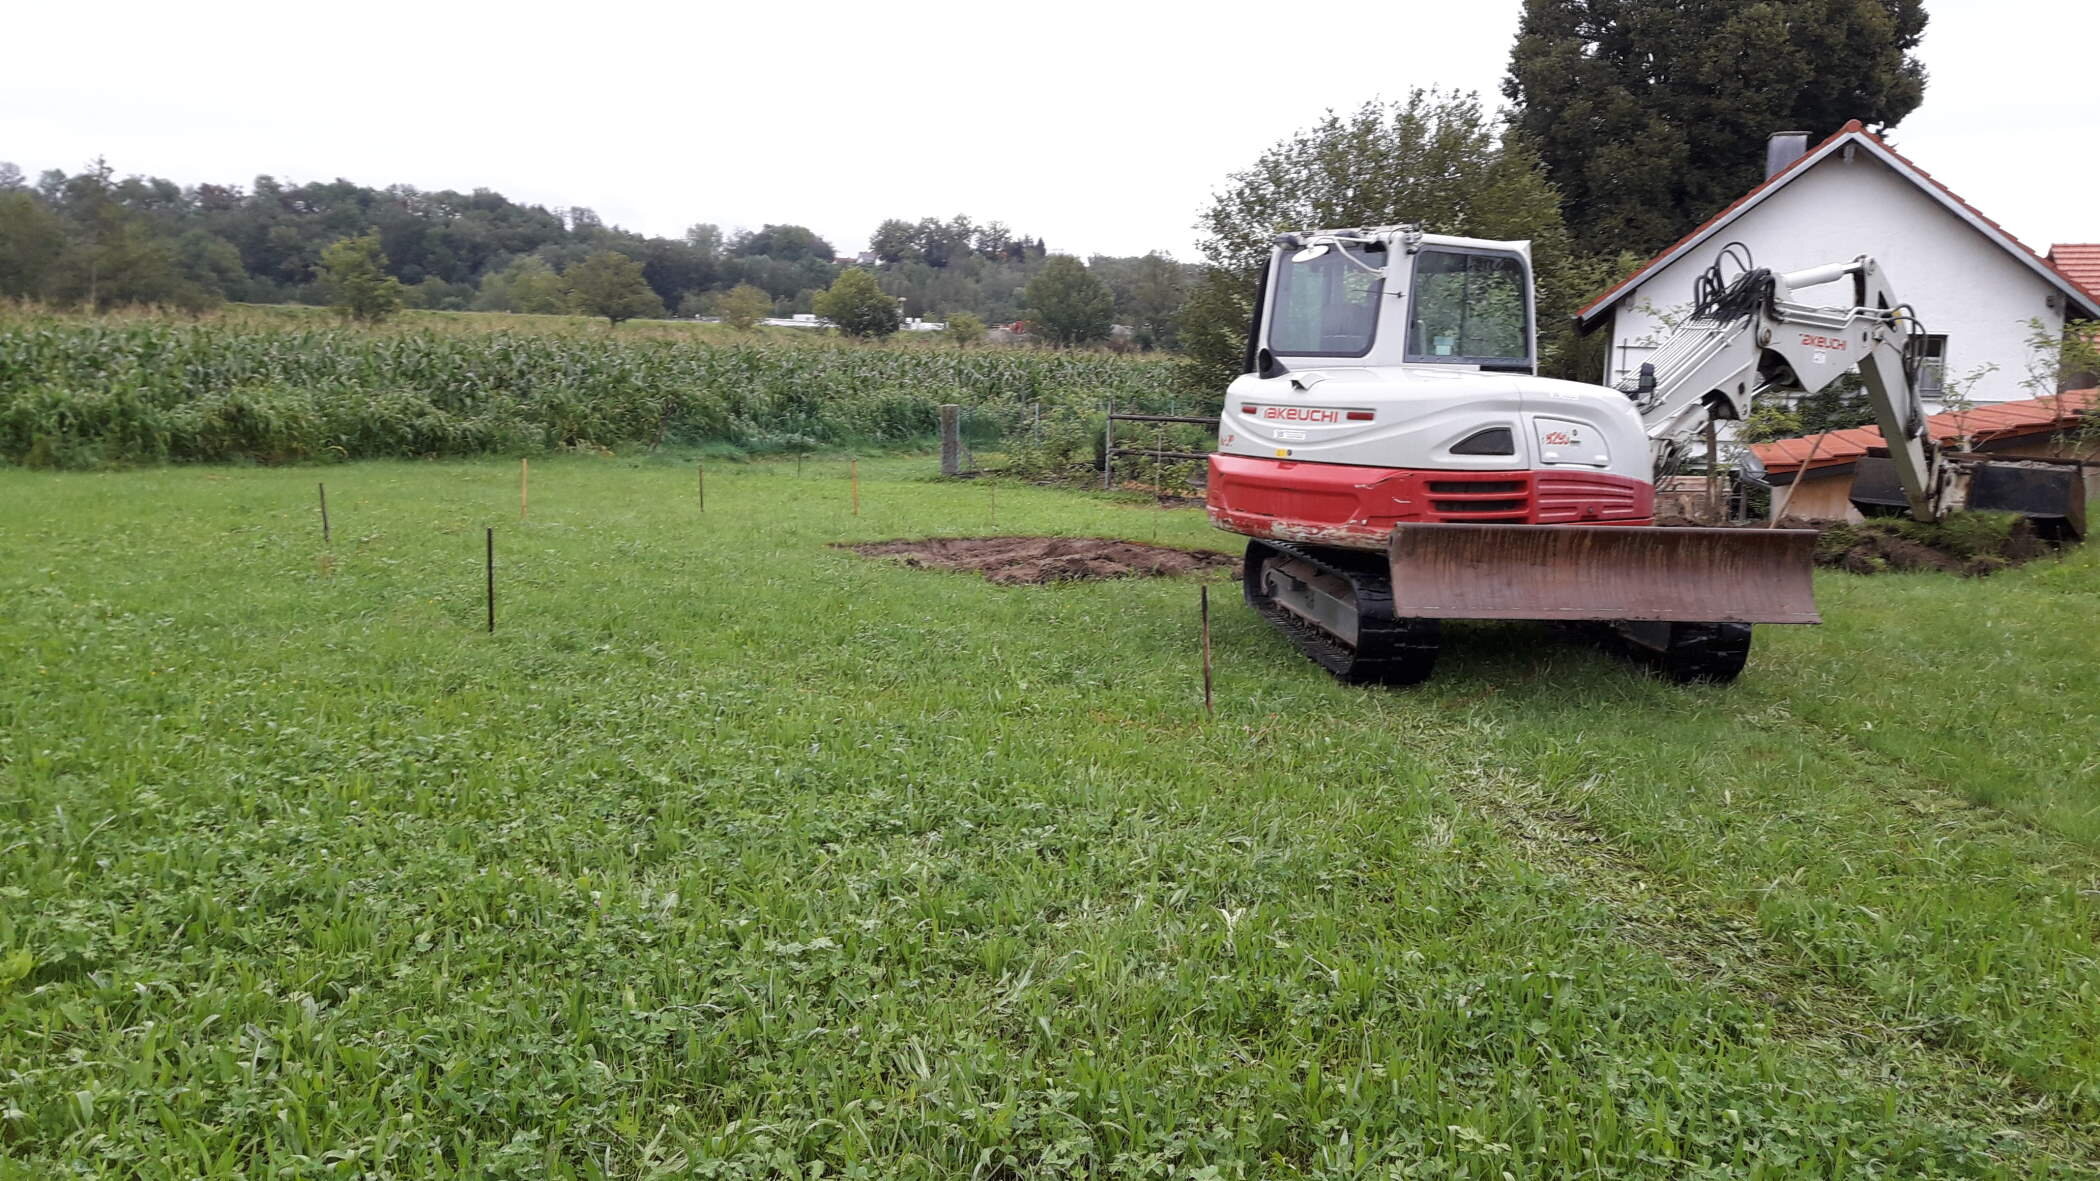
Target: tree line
{"points": [[100, 240]]}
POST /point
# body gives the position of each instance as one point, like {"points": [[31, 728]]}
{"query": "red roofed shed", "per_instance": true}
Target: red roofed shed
{"points": [[2033, 428]]}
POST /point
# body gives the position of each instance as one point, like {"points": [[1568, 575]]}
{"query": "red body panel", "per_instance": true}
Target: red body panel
{"points": [[1357, 507]]}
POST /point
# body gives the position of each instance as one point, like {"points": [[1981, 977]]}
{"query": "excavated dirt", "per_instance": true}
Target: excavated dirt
{"points": [[1972, 544], [1026, 560]]}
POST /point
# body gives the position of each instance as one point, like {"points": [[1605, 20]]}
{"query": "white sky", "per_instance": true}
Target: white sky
{"points": [[1100, 127]]}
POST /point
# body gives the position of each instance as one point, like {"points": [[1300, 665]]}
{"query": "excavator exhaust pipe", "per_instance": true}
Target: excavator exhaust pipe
{"points": [[1615, 573]]}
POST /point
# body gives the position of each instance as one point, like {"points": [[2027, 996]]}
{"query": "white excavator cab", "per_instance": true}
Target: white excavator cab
{"points": [[1394, 295]]}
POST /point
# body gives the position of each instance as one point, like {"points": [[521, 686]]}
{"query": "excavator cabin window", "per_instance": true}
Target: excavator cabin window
{"points": [[1469, 308], [1327, 306]]}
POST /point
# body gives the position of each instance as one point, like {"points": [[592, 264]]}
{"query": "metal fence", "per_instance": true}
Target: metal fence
{"points": [[1159, 452]]}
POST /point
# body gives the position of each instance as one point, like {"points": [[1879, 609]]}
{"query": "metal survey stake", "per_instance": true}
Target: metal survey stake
{"points": [[324, 513], [492, 579], [1203, 598]]}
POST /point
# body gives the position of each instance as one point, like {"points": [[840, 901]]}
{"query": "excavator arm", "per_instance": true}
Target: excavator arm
{"points": [[1750, 334]]}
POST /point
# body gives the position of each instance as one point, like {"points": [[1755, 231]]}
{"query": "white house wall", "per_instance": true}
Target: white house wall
{"points": [[1962, 284]]}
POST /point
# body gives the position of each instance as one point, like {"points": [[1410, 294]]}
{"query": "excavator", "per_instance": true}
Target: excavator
{"points": [[1395, 460]]}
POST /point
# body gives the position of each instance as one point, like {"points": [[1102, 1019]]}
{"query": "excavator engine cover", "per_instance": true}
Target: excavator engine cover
{"points": [[1603, 572]]}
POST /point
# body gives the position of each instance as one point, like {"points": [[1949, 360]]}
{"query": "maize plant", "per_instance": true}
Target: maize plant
{"points": [[88, 392]]}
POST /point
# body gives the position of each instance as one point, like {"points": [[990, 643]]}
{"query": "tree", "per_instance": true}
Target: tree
{"points": [[894, 241], [1213, 332], [858, 305], [743, 305], [211, 265], [705, 238], [113, 254], [1068, 303], [993, 240], [353, 272], [1152, 304], [527, 285], [1436, 159], [786, 243], [1652, 115], [31, 238], [964, 328], [610, 284]]}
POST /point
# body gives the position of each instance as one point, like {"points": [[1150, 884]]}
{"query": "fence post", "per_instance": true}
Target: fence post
{"points": [[1108, 447], [951, 439], [1203, 593], [492, 579]]}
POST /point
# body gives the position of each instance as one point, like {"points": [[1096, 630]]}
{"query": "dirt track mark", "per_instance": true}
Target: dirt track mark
{"points": [[1030, 560], [1729, 954]]}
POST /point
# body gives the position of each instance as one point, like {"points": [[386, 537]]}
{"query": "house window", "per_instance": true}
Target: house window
{"points": [[1932, 373]]}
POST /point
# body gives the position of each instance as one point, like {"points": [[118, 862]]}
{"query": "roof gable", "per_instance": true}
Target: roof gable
{"points": [[1853, 133]]}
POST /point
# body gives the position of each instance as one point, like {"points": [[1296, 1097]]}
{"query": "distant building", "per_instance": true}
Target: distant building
{"points": [[1974, 286]]}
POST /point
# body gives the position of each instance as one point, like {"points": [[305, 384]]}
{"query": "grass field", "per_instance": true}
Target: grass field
{"points": [[732, 854]]}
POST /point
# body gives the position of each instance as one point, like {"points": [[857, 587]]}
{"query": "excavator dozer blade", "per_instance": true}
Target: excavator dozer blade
{"points": [[1603, 572]]}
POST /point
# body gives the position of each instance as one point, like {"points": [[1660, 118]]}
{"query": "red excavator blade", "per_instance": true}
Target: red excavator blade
{"points": [[1603, 572]]}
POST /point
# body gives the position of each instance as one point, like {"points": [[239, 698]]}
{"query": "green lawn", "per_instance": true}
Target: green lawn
{"points": [[733, 854]]}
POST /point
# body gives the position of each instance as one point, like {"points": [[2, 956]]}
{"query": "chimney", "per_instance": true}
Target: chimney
{"points": [[1782, 150]]}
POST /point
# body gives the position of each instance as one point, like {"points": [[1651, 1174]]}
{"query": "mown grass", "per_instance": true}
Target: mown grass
{"points": [[734, 854]]}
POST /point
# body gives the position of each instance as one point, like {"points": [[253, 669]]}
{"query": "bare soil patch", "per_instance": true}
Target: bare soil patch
{"points": [[1027, 560], [1973, 544]]}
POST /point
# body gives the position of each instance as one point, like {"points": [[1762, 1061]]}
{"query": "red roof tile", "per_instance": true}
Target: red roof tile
{"points": [[2081, 288], [1982, 424], [2078, 262]]}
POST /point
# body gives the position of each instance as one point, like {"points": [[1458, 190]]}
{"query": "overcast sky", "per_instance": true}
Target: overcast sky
{"points": [[1099, 127]]}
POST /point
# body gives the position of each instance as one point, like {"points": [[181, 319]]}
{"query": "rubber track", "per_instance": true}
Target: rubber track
{"points": [[1705, 652], [1388, 651]]}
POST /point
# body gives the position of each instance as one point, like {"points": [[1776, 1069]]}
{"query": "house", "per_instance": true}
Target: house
{"points": [[1973, 285], [1822, 465]]}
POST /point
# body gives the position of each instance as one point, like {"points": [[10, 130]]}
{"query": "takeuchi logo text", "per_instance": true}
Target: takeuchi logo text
{"points": [[1300, 414]]}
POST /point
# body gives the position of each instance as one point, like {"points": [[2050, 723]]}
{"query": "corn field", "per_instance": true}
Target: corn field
{"points": [[78, 392]]}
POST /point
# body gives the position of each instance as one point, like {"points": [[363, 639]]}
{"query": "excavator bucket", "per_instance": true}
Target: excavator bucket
{"points": [[1603, 572]]}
